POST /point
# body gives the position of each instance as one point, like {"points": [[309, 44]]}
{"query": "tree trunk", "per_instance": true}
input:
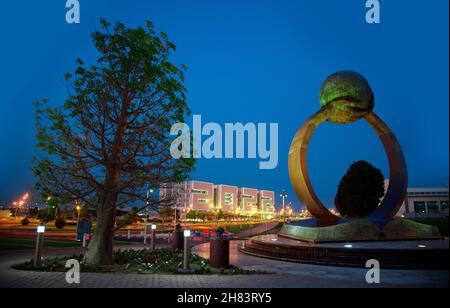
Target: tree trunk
{"points": [[100, 249]]}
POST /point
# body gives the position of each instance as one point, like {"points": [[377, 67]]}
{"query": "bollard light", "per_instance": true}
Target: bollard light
{"points": [[186, 251], [153, 243], [39, 243]]}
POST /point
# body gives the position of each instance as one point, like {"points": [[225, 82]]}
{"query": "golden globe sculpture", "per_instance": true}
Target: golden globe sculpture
{"points": [[347, 97]]}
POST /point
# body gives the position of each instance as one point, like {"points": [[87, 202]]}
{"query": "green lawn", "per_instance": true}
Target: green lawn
{"points": [[7, 244], [30, 243], [441, 223], [235, 229]]}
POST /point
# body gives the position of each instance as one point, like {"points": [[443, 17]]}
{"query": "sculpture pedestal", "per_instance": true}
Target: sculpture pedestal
{"points": [[357, 230]]}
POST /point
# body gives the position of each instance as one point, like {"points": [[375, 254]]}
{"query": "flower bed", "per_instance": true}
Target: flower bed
{"points": [[144, 261]]}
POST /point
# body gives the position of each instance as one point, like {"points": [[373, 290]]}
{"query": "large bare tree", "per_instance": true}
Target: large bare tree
{"points": [[109, 141]]}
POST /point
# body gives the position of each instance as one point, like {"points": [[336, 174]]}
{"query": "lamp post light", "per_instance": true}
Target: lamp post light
{"points": [[175, 218], [78, 208], [217, 217], [145, 230], [284, 196], [149, 191], [48, 205], [78, 214]]}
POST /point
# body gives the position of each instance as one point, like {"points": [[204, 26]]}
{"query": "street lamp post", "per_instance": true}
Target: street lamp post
{"points": [[149, 191], [284, 196], [145, 231], [175, 220], [78, 208]]}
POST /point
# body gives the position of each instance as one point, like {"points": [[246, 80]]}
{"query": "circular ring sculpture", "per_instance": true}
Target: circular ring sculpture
{"points": [[345, 98]]}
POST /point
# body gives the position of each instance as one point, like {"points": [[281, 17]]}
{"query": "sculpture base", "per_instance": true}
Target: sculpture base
{"points": [[420, 254], [357, 230]]}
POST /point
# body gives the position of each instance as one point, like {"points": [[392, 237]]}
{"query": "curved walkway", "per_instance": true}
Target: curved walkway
{"points": [[307, 275]]}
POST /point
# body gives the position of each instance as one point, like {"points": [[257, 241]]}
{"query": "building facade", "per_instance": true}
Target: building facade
{"points": [[205, 196], [425, 202]]}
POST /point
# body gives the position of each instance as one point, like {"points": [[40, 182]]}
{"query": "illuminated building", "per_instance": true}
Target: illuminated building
{"points": [[205, 196]]}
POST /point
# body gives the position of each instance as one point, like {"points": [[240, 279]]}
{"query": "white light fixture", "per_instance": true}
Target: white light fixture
{"points": [[348, 246], [40, 229], [153, 227], [422, 246], [187, 233]]}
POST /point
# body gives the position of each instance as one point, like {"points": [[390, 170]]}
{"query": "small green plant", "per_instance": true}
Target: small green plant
{"points": [[145, 261], [25, 221]]}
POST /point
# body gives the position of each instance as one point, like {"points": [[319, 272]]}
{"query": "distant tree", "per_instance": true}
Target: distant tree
{"points": [[360, 190], [220, 214], [110, 139], [192, 214], [168, 213]]}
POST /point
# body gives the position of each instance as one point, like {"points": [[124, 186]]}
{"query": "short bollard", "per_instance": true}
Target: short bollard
{"points": [[129, 236], [186, 252], [39, 245], [153, 243], [85, 237]]}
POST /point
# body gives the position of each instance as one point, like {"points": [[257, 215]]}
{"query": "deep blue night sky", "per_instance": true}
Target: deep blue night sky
{"points": [[251, 61]]}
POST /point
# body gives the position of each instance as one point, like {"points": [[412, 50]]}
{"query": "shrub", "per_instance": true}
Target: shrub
{"points": [[60, 223], [25, 221], [360, 190], [44, 217]]}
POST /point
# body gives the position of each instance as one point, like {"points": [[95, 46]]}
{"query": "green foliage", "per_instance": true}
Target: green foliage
{"points": [[360, 190], [52, 203], [25, 221], [220, 214], [110, 139], [141, 261], [44, 216], [115, 121]]}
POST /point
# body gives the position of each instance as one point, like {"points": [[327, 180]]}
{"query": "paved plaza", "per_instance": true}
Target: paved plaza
{"points": [[283, 275]]}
